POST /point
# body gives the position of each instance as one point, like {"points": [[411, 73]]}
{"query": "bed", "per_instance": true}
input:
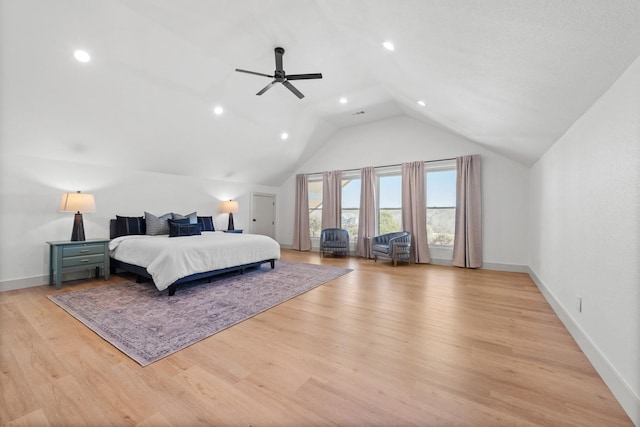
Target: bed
{"points": [[171, 261]]}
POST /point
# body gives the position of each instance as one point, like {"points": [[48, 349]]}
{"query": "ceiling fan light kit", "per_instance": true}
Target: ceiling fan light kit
{"points": [[280, 76]]}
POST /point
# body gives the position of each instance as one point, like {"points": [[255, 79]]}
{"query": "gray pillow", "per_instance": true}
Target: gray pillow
{"points": [[157, 225], [193, 217]]}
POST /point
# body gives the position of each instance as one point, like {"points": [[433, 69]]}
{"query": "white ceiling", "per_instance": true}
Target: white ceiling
{"points": [[512, 75]]}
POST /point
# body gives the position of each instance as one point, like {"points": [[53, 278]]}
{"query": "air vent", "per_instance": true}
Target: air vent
{"points": [[357, 113]]}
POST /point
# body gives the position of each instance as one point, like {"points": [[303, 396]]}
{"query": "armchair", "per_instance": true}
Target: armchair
{"points": [[334, 240], [395, 246]]}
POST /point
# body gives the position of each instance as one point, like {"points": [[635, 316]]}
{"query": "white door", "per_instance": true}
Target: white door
{"points": [[263, 214]]}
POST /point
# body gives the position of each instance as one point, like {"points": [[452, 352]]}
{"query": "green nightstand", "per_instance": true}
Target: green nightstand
{"points": [[67, 256]]}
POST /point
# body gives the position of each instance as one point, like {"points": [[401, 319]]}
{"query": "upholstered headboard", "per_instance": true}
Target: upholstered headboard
{"points": [[113, 228]]}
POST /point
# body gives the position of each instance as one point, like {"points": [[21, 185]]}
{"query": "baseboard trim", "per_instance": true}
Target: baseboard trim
{"points": [[511, 268], [629, 401], [28, 282], [31, 282]]}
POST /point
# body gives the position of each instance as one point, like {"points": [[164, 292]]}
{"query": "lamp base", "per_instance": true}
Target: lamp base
{"points": [[230, 226], [77, 234]]}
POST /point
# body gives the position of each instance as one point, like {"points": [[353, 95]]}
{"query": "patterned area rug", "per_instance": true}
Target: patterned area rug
{"points": [[148, 325]]}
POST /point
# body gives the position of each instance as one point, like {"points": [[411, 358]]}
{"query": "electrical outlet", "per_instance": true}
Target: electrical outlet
{"points": [[579, 305]]}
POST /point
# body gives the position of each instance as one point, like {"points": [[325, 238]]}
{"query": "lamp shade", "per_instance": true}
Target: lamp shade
{"points": [[229, 207], [77, 202]]}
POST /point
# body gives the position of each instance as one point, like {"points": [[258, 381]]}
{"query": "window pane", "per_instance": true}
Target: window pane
{"points": [[441, 189], [390, 220], [441, 226], [390, 204], [441, 210], [350, 206], [315, 207]]}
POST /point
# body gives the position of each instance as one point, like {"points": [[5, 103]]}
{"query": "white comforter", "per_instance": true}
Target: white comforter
{"points": [[168, 259]]}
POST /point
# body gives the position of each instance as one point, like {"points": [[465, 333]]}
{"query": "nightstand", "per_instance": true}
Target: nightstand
{"points": [[233, 231], [67, 256]]}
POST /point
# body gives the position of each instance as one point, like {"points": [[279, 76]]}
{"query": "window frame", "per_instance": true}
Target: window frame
{"points": [[351, 175], [381, 172]]}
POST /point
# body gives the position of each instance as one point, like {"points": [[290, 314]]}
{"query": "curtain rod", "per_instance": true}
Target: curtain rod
{"points": [[384, 166]]}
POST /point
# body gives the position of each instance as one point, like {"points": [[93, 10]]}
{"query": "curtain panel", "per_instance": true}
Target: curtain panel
{"points": [[331, 199], [301, 233], [367, 218], [467, 243], [414, 210]]}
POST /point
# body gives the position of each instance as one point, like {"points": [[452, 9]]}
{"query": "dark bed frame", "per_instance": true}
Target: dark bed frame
{"points": [[142, 272]]}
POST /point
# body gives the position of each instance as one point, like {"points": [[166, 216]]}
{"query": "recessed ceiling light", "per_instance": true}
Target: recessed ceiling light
{"points": [[82, 56], [389, 46], [218, 110], [421, 103], [343, 100], [284, 135]]}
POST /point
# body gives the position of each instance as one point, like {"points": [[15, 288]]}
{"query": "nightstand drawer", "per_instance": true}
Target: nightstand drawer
{"points": [[82, 250], [82, 260]]}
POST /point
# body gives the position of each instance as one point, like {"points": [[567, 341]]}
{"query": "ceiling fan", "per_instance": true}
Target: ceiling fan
{"points": [[280, 76]]}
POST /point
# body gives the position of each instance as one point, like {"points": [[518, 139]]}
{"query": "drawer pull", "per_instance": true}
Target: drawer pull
{"points": [[84, 251], [84, 260]]}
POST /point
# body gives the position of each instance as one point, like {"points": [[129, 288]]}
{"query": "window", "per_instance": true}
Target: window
{"points": [[389, 202], [351, 203], [440, 184], [441, 203], [315, 206]]}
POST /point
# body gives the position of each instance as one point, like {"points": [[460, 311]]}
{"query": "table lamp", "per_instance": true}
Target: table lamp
{"points": [[77, 202], [230, 207]]}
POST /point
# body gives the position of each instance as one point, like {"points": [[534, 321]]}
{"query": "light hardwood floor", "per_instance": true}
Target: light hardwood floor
{"points": [[382, 345]]}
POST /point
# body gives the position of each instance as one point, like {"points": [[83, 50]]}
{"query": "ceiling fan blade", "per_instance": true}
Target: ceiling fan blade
{"points": [[279, 52], [253, 72], [304, 76], [267, 87], [293, 89]]}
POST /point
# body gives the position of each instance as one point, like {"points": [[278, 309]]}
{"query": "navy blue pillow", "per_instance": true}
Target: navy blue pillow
{"points": [[180, 230], [179, 221], [206, 222], [127, 225]]}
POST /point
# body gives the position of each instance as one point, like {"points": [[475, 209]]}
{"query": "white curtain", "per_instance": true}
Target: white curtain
{"points": [[414, 210], [331, 199], [301, 233], [467, 244], [367, 218]]}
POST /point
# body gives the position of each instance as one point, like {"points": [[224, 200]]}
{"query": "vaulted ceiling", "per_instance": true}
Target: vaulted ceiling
{"points": [[510, 75]]}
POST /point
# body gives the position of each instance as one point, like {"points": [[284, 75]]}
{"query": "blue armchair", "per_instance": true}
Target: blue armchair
{"points": [[395, 246], [334, 240]]}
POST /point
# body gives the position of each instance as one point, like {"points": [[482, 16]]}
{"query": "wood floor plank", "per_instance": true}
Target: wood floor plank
{"points": [[382, 345]]}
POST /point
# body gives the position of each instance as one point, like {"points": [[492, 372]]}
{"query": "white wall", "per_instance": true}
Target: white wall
{"points": [[585, 211], [505, 183], [30, 193]]}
